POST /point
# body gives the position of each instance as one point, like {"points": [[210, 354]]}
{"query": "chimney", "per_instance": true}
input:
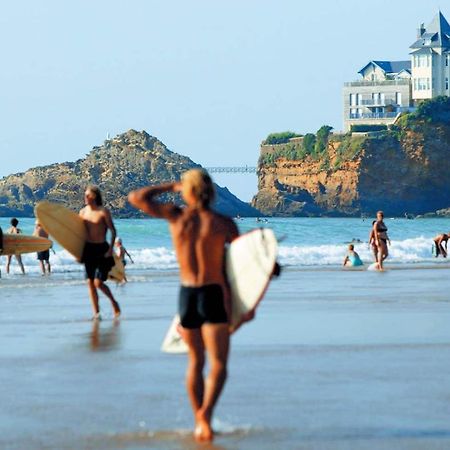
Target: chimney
{"points": [[420, 30]]}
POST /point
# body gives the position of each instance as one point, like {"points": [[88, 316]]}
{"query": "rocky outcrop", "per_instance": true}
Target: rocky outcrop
{"points": [[126, 162], [404, 170]]}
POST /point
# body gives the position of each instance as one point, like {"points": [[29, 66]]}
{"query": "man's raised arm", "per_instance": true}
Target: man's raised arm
{"points": [[145, 200]]}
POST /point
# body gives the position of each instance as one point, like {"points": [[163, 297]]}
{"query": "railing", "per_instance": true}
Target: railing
{"points": [[377, 102], [388, 115], [378, 83], [237, 169]]}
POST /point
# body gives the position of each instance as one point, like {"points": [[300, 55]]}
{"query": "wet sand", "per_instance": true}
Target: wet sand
{"points": [[334, 360]]}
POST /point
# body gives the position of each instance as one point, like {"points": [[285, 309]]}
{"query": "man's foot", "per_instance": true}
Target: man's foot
{"points": [[97, 316], [203, 431]]}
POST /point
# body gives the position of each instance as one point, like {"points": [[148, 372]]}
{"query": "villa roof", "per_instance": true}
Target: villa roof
{"points": [[436, 34], [389, 67]]}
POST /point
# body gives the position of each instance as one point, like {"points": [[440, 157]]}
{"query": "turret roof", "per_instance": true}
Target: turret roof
{"points": [[436, 34]]}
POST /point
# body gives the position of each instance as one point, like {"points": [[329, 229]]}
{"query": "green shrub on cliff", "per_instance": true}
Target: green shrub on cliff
{"points": [[279, 138], [322, 139]]}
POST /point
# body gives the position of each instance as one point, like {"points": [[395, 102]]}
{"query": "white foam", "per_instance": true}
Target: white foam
{"points": [[415, 250]]}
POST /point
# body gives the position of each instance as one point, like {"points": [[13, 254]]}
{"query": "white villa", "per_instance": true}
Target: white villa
{"points": [[388, 88]]}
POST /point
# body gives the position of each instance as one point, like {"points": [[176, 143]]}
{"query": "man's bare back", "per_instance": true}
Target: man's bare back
{"points": [[199, 237]]}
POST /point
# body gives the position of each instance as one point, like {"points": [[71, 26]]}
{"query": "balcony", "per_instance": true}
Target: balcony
{"points": [[385, 115], [374, 102], [402, 82]]}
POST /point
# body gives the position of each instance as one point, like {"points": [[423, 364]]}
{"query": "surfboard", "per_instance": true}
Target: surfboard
{"points": [[16, 244], [68, 229], [249, 265]]}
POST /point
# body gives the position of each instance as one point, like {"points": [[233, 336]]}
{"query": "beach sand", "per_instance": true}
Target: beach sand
{"points": [[334, 360]]}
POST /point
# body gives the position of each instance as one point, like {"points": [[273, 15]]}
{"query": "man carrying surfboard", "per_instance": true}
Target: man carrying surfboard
{"points": [[97, 254], [199, 235]]}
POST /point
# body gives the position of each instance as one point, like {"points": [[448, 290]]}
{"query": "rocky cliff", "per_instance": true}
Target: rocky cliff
{"points": [[126, 162], [401, 170]]}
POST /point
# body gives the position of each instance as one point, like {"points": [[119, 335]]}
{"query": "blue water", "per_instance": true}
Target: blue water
{"points": [[305, 242]]}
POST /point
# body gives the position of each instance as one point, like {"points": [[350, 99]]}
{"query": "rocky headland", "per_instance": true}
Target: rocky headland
{"points": [[401, 170], [126, 162]]}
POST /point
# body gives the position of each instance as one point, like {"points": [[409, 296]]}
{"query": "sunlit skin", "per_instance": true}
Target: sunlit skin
{"points": [[441, 242], [98, 221], [199, 237], [381, 239]]}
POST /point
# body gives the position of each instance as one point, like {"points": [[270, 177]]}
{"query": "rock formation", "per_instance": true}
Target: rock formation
{"points": [[126, 162], [403, 170]]}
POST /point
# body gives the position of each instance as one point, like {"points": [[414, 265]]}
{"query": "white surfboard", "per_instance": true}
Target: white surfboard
{"points": [[249, 265]]}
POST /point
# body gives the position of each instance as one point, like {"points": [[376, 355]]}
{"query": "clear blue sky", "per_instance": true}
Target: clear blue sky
{"points": [[209, 78]]}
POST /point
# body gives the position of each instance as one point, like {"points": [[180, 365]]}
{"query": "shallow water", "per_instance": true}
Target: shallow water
{"points": [[334, 360], [306, 243]]}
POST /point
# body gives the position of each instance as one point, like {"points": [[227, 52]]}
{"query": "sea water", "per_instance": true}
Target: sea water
{"points": [[335, 359], [305, 242]]}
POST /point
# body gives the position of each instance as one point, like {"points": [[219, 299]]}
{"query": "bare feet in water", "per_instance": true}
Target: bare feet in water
{"points": [[203, 431]]}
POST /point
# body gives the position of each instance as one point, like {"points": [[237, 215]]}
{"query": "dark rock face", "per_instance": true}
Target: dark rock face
{"points": [[128, 161], [404, 171]]}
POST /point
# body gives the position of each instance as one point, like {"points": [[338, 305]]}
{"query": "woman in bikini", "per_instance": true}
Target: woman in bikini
{"points": [[381, 239]]}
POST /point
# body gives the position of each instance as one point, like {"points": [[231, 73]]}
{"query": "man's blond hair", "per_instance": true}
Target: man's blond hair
{"points": [[202, 186]]}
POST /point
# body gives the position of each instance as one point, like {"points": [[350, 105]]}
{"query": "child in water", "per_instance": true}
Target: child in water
{"points": [[352, 258]]}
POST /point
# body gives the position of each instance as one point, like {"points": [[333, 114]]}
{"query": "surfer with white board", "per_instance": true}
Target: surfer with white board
{"points": [[97, 254], [199, 236]]}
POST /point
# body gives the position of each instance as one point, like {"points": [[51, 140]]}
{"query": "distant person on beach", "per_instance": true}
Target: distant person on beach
{"points": [[439, 242], [97, 254], [372, 242], [381, 239], [42, 257], [13, 229], [199, 236], [122, 252], [352, 258]]}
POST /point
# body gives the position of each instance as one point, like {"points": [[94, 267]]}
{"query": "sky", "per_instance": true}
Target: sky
{"points": [[209, 78]]}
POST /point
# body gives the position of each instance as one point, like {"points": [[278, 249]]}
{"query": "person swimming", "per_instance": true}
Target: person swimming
{"points": [[352, 258]]}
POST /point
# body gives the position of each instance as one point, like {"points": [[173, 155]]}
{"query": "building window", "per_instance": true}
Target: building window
{"points": [[446, 84], [428, 84], [415, 84], [446, 59]]}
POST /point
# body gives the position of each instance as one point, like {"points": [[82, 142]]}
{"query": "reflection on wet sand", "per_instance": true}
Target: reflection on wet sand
{"points": [[106, 339]]}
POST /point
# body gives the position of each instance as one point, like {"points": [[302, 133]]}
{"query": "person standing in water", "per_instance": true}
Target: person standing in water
{"points": [[14, 230], [199, 236], [372, 243], [97, 254], [439, 242], [44, 256], [381, 239]]}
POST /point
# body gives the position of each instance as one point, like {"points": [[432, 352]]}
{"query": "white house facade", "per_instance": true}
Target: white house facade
{"points": [[388, 88]]}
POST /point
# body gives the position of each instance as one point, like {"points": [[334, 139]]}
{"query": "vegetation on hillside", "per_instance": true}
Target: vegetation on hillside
{"points": [[315, 146]]}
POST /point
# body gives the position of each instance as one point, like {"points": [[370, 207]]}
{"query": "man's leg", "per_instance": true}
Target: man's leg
{"points": [[8, 263], [41, 263], [93, 295], [194, 372], [216, 339], [105, 289]]}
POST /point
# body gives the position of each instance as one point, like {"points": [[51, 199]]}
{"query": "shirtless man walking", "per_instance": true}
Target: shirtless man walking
{"points": [[199, 237], [97, 254]]}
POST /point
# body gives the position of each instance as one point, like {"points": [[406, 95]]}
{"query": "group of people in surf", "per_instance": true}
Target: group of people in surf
{"points": [[43, 257], [378, 243]]}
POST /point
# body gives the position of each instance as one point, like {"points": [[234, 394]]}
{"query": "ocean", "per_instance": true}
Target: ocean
{"points": [[335, 359]]}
